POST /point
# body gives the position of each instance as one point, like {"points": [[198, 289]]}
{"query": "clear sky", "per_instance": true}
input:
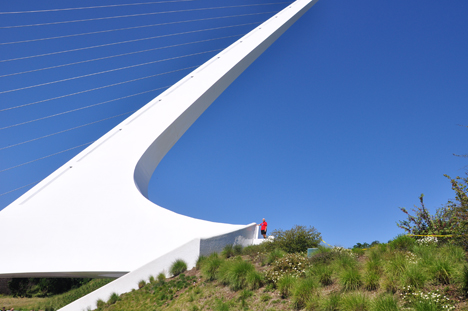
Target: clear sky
{"points": [[352, 113]]}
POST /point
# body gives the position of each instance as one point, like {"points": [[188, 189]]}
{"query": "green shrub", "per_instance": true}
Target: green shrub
{"points": [[210, 267], [297, 239], [402, 243], [285, 285], [141, 284], [350, 279], [385, 303], [151, 279], [234, 273], [179, 266], [354, 302], [274, 255], [243, 296], [303, 291], [323, 258], [294, 264]]}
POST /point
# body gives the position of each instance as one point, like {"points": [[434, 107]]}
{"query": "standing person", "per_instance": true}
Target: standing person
{"points": [[263, 228]]}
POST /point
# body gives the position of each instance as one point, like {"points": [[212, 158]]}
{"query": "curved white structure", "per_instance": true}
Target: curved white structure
{"points": [[92, 218]]}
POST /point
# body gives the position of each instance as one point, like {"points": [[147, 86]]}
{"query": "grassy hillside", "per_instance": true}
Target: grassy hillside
{"points": [[404, 274]]}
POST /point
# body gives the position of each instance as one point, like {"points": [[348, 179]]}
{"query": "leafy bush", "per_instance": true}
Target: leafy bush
{"points": [[274, 255], [323, 258], [293, 264], [179, 266], [402, 243], [297, 239]]}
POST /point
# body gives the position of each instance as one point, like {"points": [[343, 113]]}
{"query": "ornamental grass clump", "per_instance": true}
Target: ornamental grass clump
{"points": [[385, 302], [292, 264], [350, 279], [179, 266], [371, 280], [414, 276], [354, 302], [228, 251], [304, 289], [235, 273], [441, 271], [286, 284], [210, 266], [323, 273], [331, 303]]}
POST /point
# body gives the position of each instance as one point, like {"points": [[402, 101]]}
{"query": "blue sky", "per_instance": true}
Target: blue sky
{"points": [[352, 113]]}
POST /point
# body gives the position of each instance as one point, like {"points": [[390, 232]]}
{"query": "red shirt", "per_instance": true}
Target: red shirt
{"points": [[264, 225]]}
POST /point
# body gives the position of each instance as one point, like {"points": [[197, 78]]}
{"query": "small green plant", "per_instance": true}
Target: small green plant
{"points": [[350, 279], [254, 279], [141, 284], [200, 261], [441, 271], [243, 296], [228, 251], [210, 266], [161, 277], [285, 285], [331, 303], [323, 273], [237, 249], [303, 291], [274, 255], [100, 304], [371, 280], [179, 266], [354, 302], [385, 303], [235, 273], [265, 298], [402, 243], [113, 299], [151, 279]]}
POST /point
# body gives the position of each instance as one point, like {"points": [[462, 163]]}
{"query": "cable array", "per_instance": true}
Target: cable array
{"points": [[57, 59]]}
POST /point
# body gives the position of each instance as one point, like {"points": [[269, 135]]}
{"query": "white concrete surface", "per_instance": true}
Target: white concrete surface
{"points": [[92, 218]]}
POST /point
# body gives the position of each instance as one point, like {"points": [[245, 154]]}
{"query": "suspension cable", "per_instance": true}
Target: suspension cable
{"points": [[141, 14], [118, 55], [136, 27], [81, 108], [94, 89], [47, 156], [107, 71], [127, 41], [2, 194], [93, 7], [66, 130]]}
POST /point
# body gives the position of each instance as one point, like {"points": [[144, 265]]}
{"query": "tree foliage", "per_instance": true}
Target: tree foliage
{"points": [[297, 239], [460, 210], [423, 223]]}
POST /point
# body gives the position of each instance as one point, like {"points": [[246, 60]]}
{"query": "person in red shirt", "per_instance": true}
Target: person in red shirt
{"points": [[263, 228]]}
